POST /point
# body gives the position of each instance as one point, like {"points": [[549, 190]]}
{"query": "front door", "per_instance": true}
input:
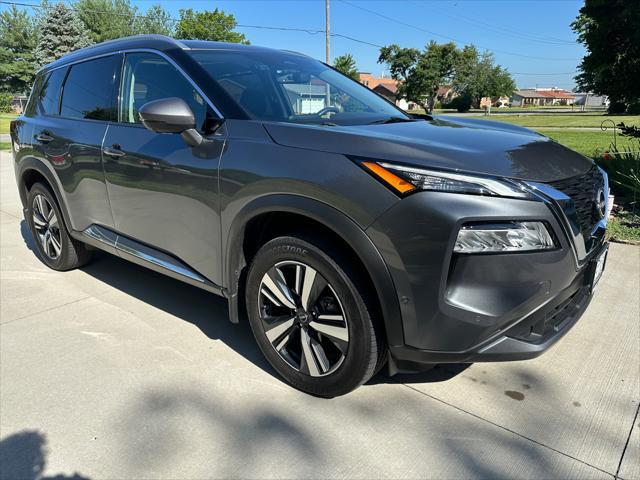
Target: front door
{"points": [[163, 192]]}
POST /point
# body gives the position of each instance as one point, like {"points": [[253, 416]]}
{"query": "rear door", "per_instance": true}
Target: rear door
{"points": [[73, 112], [163, 192]]}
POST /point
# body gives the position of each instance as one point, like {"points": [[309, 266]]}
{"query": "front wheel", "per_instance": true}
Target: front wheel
{"points": [[312, 317]]}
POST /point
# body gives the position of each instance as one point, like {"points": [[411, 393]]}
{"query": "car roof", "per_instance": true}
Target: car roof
{"points": [[161, 43]]}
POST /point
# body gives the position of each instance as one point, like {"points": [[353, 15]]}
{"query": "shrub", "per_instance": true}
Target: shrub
{"points": [[634, 109], [617, 107], [5, 103], [623, 164], [461, 103]]}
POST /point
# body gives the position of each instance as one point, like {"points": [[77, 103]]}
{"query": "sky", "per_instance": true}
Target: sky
{"points": [[531, 38]]}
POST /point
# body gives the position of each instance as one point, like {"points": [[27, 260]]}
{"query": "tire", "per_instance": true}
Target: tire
{"points": [[315, 329], [56, 248]]}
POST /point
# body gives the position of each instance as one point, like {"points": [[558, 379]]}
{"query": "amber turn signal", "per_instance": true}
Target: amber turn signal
{"points": [[389, 178]]}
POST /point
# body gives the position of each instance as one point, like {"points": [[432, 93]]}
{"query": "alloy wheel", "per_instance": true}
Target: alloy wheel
{"points": [[303, 318], [47, 227]]}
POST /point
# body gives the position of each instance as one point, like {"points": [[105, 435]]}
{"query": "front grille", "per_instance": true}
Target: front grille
{"points": [[583, 190]]}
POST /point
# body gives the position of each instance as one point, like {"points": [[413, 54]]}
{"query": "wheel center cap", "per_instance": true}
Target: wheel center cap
{"points": [[303, 317]]}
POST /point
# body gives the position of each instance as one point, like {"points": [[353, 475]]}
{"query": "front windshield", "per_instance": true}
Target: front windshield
{"points": [[285, 87]]}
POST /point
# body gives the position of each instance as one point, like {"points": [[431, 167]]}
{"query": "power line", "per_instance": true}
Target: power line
{"points": [[310, 31], [506, 31], [533, 73], [430, 32]]}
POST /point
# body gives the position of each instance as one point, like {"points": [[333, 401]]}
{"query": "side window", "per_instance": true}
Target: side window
{"points": [[148, 77], [45, 98], [89, 88]]}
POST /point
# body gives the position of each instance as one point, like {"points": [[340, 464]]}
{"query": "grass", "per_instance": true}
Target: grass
{"points": [[589, 143], [624, 227], [5, 146], [564, 120], [5, 118]]}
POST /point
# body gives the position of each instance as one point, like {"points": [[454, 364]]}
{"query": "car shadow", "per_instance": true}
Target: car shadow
{"points": [[435, 374], [208, 312], [205, 310]]}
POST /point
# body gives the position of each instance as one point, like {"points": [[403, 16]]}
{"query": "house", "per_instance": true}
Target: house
{"points": [[306, 98], [445, 94], [18, 103], [387, 87], [389, 92], [586, 99], [541, 97]]}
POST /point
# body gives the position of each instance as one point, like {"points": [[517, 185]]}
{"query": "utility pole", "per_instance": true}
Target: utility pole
{"points": [[327, 32], [327, 40]]}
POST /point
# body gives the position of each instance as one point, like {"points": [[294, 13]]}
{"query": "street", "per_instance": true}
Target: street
{"points": [[114, 371]]}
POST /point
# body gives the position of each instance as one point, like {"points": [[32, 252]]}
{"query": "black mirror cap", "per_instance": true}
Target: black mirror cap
{"points": [[167, 115]]}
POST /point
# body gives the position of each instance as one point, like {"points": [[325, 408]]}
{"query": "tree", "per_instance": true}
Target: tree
{"points": [[155, 20], [17, 41], [346, 64], [421, 73], [107, 19], [476, 76], [61, 32], [610, 31], [208, 25]]}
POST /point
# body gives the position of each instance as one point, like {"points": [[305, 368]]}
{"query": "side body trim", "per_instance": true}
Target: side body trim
{"points": [[146, 256]]}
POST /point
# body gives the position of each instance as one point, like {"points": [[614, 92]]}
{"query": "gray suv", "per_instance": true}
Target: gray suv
{"points": [[351, 234]]}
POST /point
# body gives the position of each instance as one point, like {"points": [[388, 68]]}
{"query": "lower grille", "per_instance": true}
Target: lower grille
{"points": [[583, 191], [555, 319]]}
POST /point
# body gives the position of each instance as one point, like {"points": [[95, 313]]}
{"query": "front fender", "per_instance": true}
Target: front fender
{"points": [[333, 219]]}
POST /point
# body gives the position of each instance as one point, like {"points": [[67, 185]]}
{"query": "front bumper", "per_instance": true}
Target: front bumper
{"points": [[470, 308]]}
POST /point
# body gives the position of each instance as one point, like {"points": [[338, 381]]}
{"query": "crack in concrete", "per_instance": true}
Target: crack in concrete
{"points": [[46, 310], [624, 450], [508, 430]]}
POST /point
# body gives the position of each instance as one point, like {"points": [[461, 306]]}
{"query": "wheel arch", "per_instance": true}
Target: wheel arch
{"points": [[310, 212], [31, 170]]}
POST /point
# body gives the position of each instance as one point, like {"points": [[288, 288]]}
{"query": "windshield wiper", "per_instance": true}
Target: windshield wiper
{"points": [[391, 120]]}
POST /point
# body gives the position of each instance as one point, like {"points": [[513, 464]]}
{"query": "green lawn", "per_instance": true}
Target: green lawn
{"points": [[5, 118], [564, 120], [589, 142], [624, 227]]}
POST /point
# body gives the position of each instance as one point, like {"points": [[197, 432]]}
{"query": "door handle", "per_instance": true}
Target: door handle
{"points": [[113, 152], [44, 138]]}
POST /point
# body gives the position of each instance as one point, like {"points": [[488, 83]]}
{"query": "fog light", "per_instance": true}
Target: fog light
{"points": [[503, 237]]}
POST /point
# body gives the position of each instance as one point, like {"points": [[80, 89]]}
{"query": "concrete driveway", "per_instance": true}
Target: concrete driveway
{"points": [[117, 372]]}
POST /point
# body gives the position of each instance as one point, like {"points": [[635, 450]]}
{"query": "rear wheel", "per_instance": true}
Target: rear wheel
{"points": [[312, 317], [56, 247]]}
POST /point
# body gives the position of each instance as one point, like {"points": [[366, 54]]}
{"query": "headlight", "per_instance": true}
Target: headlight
{"points": [[404, 180], [504, 237]]}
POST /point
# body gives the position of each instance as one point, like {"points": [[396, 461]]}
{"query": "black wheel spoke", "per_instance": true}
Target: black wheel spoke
{"points": [[276, 287]]}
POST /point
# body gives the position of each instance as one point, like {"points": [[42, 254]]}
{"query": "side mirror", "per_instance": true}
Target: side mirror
{"points": [[171, 115]]}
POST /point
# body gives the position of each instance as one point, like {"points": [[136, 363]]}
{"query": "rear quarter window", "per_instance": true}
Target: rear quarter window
{"points": [[45, 97]]}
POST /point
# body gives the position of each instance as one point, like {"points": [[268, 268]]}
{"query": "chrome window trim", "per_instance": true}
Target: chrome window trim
{"points": [[123, 52]]}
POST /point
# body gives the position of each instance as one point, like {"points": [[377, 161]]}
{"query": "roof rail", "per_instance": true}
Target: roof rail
{"points": [[165, 42]]}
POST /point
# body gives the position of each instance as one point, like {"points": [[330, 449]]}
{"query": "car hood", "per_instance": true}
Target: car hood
{"points": [[470, 145]]}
